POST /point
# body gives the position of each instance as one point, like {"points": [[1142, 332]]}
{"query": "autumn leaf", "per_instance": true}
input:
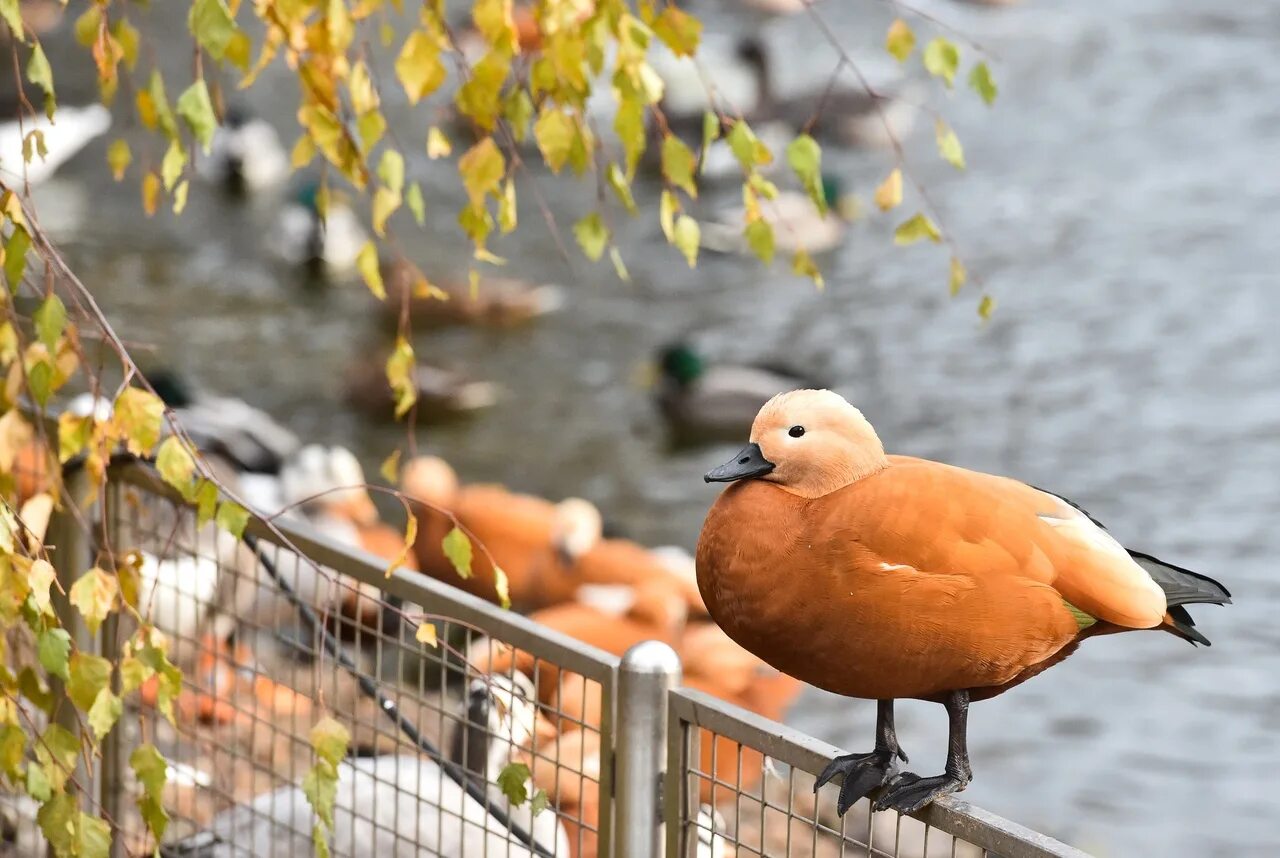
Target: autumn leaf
{"points": [[916, 228], [457, 547], [900, 41], [981, 82], [592, 235], [686, 236], [941, 59], [949, 145], [889, 193]]}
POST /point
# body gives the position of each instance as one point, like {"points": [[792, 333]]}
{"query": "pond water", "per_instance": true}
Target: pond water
{"points": [[1115, 206]]}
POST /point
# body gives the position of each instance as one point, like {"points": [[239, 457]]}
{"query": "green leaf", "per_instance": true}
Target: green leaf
{"points": [[57, 819], [104, 713], [232, 518], [176, 466], [916, 228], [949, 145], [367, 265], [592, 235], [482, 168], [11, 12], [38, 786], [93, 837], [211, 23], [13, 751], [958, 276], [710, 131], [983, 84], [39, 72], [169, 682], [418, 67], [457, 547], [748, 148], [15, 257], [686, 236], [802, 265], [89, 675], [413, 199], [677, 164], [51, 321], [53, 648], [57, 752], [34, 689], [196, 109], [175, 158], [941, 59], [94, 594], [150, 768], [139, 415], [900, 41], [539, 802], [986, 307], [330, 740], [759, 235], [391, 170], [518, 110], [630, 127], [320, 786], [805, 157], [512, 781], [622, 187]]}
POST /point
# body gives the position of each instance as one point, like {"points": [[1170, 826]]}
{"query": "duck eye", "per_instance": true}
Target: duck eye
{"points": [[795, 431]]}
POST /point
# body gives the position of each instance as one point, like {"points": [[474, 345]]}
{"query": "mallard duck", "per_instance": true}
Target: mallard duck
{"points": [[495, 301], [327, 245], [418, 809], [442, 393], [912, 579], [796, 222], [70, 130], [704, 402], [246, 155]]}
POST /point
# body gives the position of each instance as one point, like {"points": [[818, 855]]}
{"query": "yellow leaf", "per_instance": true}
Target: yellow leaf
{"points": [[914, 229], [457, 548], [482, 168], [889, 193], [508, 217], [986, 307], [118, 158], [180, 196], [147, 114], [677, 164], [399, 368], [502, 587], [367, 264], [175, 158], [303, 151], [685, 236], [438, 145], [494, 20], [958, 276], [622, 187], [39, 72], [419, 68], [174, 462], [680, 31], [196, 109], [949, 145], [900, 40], [390, 467], [138, 415], [941, 59], [150, 193], [554, 131], [410, 537], [385, 203], [592, 235], [413, 198], [803, 265], [426, 634], [94, 594], [667, 208]]}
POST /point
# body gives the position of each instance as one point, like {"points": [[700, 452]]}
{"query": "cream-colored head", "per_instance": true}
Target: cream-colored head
{"points": [[808, 442], [431, 480], [577, 528]]}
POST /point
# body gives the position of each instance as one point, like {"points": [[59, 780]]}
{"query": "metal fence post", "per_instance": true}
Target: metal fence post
{"points": [[648, 672], [71, 554]]}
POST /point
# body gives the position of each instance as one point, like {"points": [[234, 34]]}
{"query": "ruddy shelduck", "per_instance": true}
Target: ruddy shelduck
{"points": [[912, 579]]}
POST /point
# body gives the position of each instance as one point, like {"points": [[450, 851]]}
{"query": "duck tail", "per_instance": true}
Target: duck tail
{"points": [[1183, 587]]}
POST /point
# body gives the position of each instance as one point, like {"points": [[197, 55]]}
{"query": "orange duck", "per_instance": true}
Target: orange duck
{"points": [[911, 578], [523, 535]]}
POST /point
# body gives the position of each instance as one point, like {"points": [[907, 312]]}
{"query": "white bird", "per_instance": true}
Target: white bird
{"points": [[329, 244], [67, 133], [400, 806]]}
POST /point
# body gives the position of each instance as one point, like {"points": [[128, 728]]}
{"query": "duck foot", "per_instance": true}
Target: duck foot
{"points": [[908, 792], [862, 774]]}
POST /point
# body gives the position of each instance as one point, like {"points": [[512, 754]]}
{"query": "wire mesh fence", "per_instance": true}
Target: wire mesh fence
{"points": [[274, 631], [759, 775]]}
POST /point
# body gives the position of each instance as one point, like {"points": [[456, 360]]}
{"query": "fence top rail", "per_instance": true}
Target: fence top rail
{"points": [[435, 597], [948, 814]]}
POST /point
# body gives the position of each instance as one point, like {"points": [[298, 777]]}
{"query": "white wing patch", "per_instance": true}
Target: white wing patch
{"points": [[889, 567], [1077, 527]]}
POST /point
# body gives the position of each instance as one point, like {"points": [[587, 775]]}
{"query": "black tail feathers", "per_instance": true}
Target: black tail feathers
{"points": [[1183, 587]]}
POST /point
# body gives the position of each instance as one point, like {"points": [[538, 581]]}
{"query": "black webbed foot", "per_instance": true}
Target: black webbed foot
{"points": [[908, 792], [862, 774]]}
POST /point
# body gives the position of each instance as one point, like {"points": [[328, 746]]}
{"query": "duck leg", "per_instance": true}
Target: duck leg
{"points": [[864, 772], [909, 792]]}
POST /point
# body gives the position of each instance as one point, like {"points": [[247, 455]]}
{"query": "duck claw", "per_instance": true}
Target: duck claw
{"points": [[908, 792], [862, 774]]}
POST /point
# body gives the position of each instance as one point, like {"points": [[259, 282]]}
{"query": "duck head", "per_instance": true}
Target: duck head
{"points": [[680, 364], [807, 442], [577, 528], [501, 716], [845, 205], [431, 480]]}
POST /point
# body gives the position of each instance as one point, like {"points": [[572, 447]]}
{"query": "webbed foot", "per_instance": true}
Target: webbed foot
{"points": [[862, 774], [908, 792]]}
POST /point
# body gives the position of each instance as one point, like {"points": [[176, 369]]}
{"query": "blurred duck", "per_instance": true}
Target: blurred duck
{"points": [[401, 805], [495, 301], [442, 393], [704, 402], [325, 245], [797, 223], [38, 17], [246, 156], [247, 437], [70, 130], [518, 531]]}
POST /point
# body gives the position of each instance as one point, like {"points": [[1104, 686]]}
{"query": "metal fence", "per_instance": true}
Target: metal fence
{"points": [[290, 624]]}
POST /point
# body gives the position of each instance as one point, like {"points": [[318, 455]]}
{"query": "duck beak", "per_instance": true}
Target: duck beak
{"points": [[750, 462]]}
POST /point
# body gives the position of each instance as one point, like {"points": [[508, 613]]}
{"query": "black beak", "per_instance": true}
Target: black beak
{"points": [[750, 462]]}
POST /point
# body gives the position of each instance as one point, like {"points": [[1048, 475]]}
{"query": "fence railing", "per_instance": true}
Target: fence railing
{"points": [[290, 623]]}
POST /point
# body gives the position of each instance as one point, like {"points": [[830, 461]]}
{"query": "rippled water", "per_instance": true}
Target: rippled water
{"points": [[1116, 205]]}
